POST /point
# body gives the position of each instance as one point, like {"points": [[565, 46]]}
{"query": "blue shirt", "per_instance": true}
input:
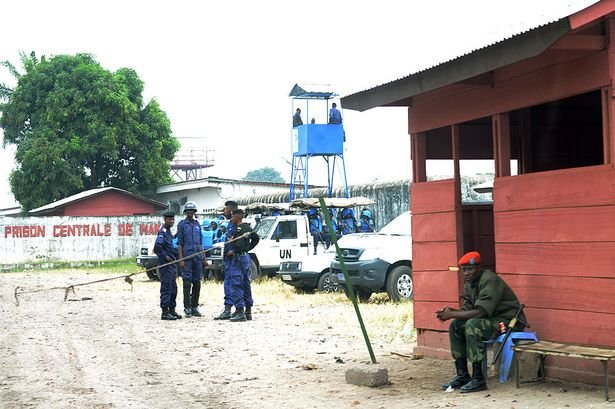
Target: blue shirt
{"points": [[315, 225], [207, 238], [348, 226], [231, 230], [189, 236], [164, 245], [367, 225], [335, 116]]}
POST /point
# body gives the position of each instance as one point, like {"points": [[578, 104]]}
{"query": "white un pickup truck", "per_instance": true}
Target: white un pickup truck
{"points": [[281, 238], [284, 238]]}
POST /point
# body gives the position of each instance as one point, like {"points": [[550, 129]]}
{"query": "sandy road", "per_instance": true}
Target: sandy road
{"points": [[112, 351]]}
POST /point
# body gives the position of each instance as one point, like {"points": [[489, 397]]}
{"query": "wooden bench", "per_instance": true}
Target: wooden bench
{"points": [[544, 348]]}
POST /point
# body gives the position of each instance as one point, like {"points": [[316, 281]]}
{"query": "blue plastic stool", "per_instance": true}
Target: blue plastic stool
{"points": [[507, 352]]}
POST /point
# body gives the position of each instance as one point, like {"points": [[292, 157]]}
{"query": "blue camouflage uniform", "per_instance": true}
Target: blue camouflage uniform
{"points": [[164, 248], [237, 266], [189, 237], [316, 228], [367, 224], [348, 223], [207, 235]]}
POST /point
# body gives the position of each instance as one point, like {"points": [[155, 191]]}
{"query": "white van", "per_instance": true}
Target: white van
{"points": [[378, 262]]}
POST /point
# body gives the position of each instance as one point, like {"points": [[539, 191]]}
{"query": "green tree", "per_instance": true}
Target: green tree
{"points": [[266, 174], [78, 126]]}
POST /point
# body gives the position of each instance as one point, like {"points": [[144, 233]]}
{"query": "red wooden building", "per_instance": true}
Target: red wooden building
{"points": [[105, 201], [545, 99]]}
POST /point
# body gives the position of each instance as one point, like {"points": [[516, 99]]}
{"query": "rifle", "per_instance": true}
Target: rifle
{"points": [[511, 326]]}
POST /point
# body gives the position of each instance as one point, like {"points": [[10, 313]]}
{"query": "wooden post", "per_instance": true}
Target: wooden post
{"points": [[609, 115], [418, 155], [606, 99], [501, 144], [525, 137], [458, 204]]}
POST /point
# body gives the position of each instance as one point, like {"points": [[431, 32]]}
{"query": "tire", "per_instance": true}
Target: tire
{"points": [[254, 273], [153, 275], [218, 275], [399, 284], [325, 285], [362, 295]]}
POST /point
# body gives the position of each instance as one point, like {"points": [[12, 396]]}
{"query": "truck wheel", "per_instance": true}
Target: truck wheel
{"points": [[399, 284], [253, 270], [325, 285], [362, 295], [153, 274], [218, 275]]}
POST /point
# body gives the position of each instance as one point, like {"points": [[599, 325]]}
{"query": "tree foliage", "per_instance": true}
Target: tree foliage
{"points": [[78, 126], [266, 174]]}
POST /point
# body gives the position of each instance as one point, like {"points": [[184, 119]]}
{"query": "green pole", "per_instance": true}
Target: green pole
{"points": [[351, 292]]}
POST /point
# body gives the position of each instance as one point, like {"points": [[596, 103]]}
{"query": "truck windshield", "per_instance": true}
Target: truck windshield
{"points": [[398, 226], [263, 226]]}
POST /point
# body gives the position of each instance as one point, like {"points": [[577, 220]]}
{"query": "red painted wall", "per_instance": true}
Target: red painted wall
{"points": [[109, 204], [434, 248], [555, 245]]}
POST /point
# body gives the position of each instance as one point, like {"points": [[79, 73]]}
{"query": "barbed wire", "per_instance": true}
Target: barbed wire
{"points": [[20, 290]]}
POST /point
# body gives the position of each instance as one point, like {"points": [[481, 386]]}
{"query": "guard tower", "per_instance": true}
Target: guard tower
{"points": [[191, 159], [315, 140]]}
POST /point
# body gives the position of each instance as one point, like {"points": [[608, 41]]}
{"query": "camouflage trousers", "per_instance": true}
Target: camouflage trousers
{"points": [[467, 337]]}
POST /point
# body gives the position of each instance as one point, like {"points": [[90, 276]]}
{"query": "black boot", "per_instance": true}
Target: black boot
{"points": [[239, 315], [173, 313], [166, 315], [194, 299], [187, 287], [249, 313], [477, 383], [226, 314], [462, 377], [195, 312]]}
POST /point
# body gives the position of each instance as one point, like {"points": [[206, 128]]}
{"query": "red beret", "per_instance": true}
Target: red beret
{"points": [[472, 257]]}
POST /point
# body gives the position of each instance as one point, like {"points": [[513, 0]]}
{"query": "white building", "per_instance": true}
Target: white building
{"points": [[211, 192]]}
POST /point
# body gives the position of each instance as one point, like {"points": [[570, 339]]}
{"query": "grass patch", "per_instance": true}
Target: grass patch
{"points": [[386, 321], [118, 266]]}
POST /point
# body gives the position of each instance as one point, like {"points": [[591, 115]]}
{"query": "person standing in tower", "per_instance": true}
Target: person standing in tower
{"points": [[297, 118], [335, 116]]}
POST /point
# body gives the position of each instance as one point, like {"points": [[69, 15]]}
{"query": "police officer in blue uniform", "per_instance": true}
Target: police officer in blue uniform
{"points": [[190, 242], [167, 253], [367, 224], [208, 235], [229, 206], [348, 223], [315, 228], [237, 265]]}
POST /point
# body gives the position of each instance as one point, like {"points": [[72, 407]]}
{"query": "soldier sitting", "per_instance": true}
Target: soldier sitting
{"points": [[488, 301]]}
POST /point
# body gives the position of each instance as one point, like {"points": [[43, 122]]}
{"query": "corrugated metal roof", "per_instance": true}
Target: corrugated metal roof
{"points": [[311, 91], [482, 60], [355, 190], [87, 194]]}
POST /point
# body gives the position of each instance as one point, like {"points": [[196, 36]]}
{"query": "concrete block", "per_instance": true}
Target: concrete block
{"points": [[371, 375]]}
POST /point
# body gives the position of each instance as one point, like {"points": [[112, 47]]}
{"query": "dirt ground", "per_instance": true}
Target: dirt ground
{"points": [[107, 348]]}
